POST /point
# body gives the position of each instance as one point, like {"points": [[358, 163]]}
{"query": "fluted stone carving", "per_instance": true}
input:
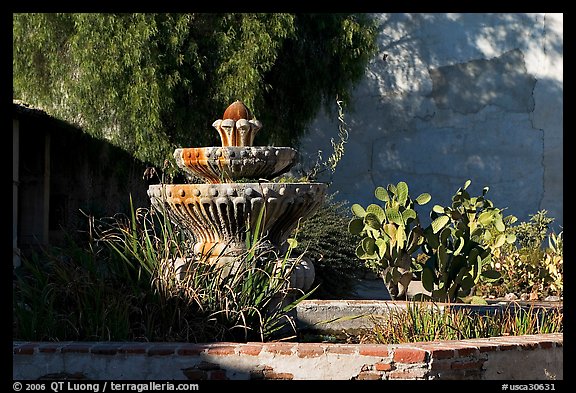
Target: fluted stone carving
{"points": [[237, 127], [231, 163], [219, 214]]}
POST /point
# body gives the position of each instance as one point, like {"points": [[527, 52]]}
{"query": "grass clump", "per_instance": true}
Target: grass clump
{"points": [[426, 321], [124, 285]]}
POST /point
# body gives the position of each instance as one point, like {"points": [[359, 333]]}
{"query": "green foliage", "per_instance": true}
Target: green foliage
{"points": [[458, 245], [531, 265], [127, 286], [324, 238], [459, 242], [390, 235], [153, 82]]}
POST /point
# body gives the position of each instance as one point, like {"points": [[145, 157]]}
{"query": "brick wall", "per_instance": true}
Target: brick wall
{"points": [[530, 357]]}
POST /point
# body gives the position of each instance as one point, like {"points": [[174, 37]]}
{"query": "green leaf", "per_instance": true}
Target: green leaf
{"points": [[394, 216], [438, 209], [445, 235], [510, 238], [439, 223], [408, 214], [415, 239], [396, 274], [377, 211], [499, 224], [467, 282], [360, 253], [372, 221], [442, 256], [355, 226], [381, 194], [423, 198], [358, 210], [382, 245], [461, 242], [431, 239], [468, 182], [500, 240], [400, 237], [369, 246], [485, 218], [428, 279], [402, 192], [390, 230]]}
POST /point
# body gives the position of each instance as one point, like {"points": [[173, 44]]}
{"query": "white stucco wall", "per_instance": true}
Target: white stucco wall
{"points": [[459, 96]]}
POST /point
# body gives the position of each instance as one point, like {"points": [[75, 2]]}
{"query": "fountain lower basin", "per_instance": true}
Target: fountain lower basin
{"points": [[220, 216]]}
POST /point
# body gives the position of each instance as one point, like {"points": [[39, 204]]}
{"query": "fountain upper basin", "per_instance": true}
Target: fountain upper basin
{"points": [[230, 163]]}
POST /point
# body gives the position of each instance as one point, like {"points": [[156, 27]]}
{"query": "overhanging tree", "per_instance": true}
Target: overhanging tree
{"points": [[153, 82]]}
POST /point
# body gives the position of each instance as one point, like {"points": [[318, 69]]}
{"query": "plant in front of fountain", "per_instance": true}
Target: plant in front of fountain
{"points": [[391, 235], [460, 243]]}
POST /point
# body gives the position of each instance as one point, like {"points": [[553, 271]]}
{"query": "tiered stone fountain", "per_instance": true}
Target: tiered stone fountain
{"points": [[237, 175]]}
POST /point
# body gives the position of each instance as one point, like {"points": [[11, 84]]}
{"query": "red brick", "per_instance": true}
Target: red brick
{"points": [[529, 345], [409, 355], [191, 350], [161, 350], [384, 367], [105, 349], [50, 348], [250, 349], [342, 349], [275, 375], [134, 348], [407, 374], [466, 351], [441, 353], [280, 348], [222, 350], [373, 350], [24, 349], [507, 347], [268, 372], [80, 348], [367, 375], [309, 350], [441, 365], [488, 347], [547, 344]]}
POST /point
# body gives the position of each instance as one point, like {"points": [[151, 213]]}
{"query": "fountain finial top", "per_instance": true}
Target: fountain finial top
{"points": [[237, 126]]}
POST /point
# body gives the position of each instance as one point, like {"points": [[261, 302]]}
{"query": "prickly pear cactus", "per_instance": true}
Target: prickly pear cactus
{"points": [[390, 235], [459, 242]]}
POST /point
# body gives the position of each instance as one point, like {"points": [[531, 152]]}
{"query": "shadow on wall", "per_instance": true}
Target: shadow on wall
{"points": [[465, 62], [452, 97]]}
